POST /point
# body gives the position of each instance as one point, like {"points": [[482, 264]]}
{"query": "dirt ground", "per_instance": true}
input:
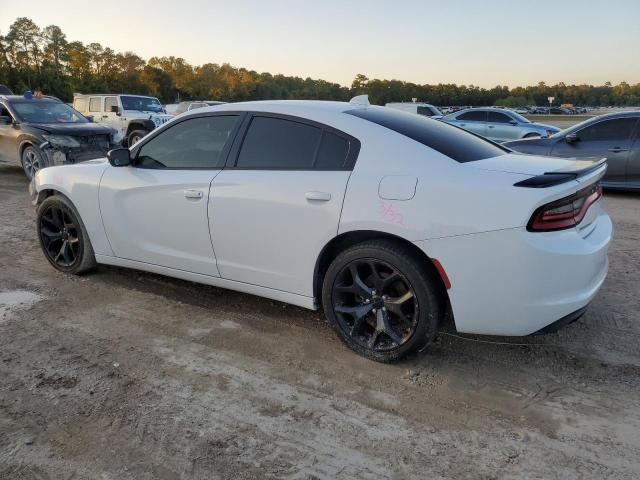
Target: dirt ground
{"points": [[128, 375]]}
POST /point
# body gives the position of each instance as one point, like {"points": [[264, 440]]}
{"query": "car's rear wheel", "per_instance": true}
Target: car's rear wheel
{"points": [[63, 237], [32, 161], [381, 300], [135, 136]]}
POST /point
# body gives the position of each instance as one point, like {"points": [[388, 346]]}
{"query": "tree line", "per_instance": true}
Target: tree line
{"points": [[34, 58]]}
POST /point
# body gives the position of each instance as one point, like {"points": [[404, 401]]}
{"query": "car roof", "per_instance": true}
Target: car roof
{"points": [[284, 105], [45, 98]]}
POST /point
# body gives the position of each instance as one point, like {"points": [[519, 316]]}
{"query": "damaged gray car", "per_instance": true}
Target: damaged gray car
{"points": [[40, 131]]}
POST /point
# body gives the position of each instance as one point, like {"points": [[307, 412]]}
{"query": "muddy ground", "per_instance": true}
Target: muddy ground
{"points": [[127, 375]]}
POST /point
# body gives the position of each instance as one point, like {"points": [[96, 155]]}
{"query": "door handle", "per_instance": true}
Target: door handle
{"points": [[105, 116], [492, 126], [194, 194], [318, 196], [618, 149], [463, 124]]}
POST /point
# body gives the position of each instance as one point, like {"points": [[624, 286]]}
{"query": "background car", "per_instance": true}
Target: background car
{"points": [[424, 109], [131, 116], [385, 218], [37, 132], [499, 125], [614, 136], [193, 104]]}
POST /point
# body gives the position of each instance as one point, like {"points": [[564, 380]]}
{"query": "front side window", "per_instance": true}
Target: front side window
{"points": [[192, 143], [617, 129], [95, 104], [497, 117], [109, 103], [472, 117], [278, 143], [35, 111], [141, 104]]}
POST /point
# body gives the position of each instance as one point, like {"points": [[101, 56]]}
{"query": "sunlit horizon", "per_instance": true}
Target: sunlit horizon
{"points": [[482, 43]]}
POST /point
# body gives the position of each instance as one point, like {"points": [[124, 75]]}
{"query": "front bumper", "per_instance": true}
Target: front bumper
{"points": [[514, 282]]}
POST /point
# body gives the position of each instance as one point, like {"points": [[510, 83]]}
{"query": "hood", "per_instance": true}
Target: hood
{"points": [[546, 126], [537, 141], [533, 164], [74, 129]]}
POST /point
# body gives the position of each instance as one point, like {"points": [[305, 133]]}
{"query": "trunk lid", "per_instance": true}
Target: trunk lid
{"points": [[535, 165]]}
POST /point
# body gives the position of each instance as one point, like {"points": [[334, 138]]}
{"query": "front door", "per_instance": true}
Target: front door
{"points": [[112, 118], [609, 138], [155, 211], [275, 207], [501, 127]]}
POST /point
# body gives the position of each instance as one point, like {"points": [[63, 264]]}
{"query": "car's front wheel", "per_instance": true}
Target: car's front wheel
{"points": [[32, 161], [63, 237], [532, 135], [135, 136], [381, 300]]}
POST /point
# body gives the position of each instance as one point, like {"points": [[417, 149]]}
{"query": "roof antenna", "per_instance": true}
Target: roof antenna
{"points": [[362, 100]]}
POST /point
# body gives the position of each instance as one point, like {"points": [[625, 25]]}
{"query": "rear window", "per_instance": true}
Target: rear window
{"points": [[455, 143]]}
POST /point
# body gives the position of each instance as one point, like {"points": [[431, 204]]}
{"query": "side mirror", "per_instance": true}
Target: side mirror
{"points": [[571, 138], [4, 120], [115, 109], [90, 118], [119, 157]]}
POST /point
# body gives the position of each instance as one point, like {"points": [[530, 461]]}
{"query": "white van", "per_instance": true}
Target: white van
{"points": [[425, 109]]}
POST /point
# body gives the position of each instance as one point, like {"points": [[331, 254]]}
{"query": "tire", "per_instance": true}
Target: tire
{"points": [[395, 312], [532, 135], [32, 160], [63, 237], [135, 136]]}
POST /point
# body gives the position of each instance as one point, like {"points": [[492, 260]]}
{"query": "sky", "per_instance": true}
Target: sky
{"points": [[478, 42]]}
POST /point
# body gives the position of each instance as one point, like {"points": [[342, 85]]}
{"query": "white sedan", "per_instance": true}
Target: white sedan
{"points": [[390, 222]]}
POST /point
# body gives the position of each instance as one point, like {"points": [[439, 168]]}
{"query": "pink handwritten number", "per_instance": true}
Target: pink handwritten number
{"points": [[388, 214]]}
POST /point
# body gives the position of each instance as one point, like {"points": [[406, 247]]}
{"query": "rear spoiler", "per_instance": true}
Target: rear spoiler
{"points": [[563, 175]]}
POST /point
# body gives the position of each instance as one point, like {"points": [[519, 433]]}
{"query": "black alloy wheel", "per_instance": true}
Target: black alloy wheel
{"points": [[375, 304], [60, 236]]}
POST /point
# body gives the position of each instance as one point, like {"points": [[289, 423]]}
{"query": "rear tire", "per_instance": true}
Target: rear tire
{"points": [[381, 300], [63, 237], [32, 160]]}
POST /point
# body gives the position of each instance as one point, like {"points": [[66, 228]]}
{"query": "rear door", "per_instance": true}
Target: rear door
{"points": [[474, 121], [111, 115], [609, 138], [278, 201]]}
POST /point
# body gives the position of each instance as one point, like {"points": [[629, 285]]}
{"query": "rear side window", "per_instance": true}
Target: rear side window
{"points": [[455, 143], [473, 117], [278, 143], [81, 104], [94, 104], [333, 152], [109, 103]]}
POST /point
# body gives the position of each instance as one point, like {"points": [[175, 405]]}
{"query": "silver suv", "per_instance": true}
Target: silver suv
{"points": [[132, 116]]}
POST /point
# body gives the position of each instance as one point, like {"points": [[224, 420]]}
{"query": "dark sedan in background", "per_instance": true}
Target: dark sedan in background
{"points": [[614, 136], [38, 132]]}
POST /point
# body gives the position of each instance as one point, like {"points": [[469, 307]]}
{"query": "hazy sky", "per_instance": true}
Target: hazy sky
{"points": [[480, 42]]}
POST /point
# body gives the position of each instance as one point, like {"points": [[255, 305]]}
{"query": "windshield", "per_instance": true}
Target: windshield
{"points": [[519, 117], [33, 111], [143, 104]]}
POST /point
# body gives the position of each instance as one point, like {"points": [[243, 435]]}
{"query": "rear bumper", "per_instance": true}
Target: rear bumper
{"points": [[514, 282], [564, 321]]}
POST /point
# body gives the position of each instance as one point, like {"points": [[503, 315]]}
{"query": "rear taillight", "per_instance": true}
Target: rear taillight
{"points": [[566, 212]]}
